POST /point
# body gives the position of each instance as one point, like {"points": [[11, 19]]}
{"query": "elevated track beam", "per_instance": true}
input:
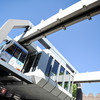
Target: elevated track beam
{"points": [[82, 10]]}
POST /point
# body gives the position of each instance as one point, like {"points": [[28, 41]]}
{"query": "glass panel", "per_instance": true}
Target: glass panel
{"points": [[48, 69], [54, 71], [11, 49], [17, 52], [1, 47], [62, 69], [36, 61], [66, 85], [67, 78], [61, 75], [23, 57], [60, 83], [29, 63]]}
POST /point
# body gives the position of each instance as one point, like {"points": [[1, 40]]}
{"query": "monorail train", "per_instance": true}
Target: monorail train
{"points": [[40, 62]]}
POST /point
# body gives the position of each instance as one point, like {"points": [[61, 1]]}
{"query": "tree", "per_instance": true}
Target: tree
{"points": [[74, 90]]}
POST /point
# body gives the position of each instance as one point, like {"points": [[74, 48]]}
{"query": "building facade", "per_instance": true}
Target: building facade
{"points": [[91, 97]]}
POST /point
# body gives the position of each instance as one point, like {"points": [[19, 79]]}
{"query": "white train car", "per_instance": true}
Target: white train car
{"points": [[50, 74]]}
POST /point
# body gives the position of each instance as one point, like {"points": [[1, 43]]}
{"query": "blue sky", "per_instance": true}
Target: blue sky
{"points": [[79, 43]]}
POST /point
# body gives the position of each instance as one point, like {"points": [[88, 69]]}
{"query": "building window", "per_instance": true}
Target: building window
{"points": [[54, 71], [49, 66], [67, 78]]}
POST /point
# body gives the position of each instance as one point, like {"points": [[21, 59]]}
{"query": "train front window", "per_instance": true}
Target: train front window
{"points": [[17, 52], [23, 57], [11, 49]]}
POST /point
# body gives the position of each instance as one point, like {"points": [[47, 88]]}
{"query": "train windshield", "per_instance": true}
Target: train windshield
{"points": [[15, 55], [17, 52]]}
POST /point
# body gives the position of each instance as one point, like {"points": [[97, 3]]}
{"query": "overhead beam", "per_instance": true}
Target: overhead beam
{"points": [[87, 77], [12, 24], [82, 10]]}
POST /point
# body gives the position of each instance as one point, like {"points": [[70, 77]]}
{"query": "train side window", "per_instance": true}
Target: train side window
{"points": [[62, 69], [29, 63], [66, 84], [54, 71], [23, 57], [17, 52], [36, 61], [55, 68], [48, 69], [60, 83], [11, 49], [61, 75]]}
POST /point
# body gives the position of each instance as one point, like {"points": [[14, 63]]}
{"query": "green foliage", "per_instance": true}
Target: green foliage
{"points": [[60, 83], [61, 73], [66, 86], [74, 90]]}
